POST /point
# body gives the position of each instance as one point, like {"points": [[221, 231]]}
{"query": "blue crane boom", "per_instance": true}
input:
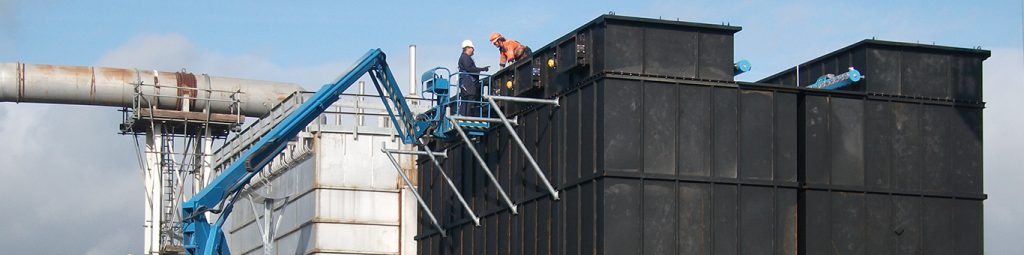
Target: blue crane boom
{"points": [[201, 237]]}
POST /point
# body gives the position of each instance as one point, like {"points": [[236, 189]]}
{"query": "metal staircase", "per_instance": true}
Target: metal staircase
{"points": [[247, 137]]}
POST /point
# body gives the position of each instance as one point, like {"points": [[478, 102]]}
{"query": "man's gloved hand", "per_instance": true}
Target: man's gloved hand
{"points": [[486, 68]]}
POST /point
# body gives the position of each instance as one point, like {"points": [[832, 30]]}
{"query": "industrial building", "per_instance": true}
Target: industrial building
{"points": [[625, 136]]}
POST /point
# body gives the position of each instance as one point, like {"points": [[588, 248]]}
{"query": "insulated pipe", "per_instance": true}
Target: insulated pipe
{"points": [[101, 86]]}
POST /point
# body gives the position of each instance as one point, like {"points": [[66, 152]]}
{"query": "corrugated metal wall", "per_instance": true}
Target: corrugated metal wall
{"points": [[345, 197]]}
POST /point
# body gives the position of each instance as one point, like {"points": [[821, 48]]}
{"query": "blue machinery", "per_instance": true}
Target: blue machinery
{"points": [[831, 81], [219, 196]]}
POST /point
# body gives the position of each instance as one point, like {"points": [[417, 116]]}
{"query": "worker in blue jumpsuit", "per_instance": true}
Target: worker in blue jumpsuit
{"points": [[469, 84]]}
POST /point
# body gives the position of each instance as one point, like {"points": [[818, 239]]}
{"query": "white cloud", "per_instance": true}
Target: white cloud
{"points": [[67, 178], [172, 52]]}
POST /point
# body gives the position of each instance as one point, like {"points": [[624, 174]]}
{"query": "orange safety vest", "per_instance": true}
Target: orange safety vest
{"points": [[510, 50]]}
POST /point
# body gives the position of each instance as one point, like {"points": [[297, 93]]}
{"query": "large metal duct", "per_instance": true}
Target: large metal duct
{"points": [[32, 83]]}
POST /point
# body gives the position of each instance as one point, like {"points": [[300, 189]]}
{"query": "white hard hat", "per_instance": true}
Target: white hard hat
{"points": [[467, 43]]}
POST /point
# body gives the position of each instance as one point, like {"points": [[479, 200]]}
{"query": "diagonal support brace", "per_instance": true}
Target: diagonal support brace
{"points": [[415, 193], [519, 141], [483, 165]]}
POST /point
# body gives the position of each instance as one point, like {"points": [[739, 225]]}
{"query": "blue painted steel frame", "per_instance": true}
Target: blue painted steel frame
{"points": [[200, 237], [433, 82]]}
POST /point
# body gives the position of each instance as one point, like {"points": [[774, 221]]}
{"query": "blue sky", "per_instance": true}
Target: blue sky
{"points": [[66, 175]]}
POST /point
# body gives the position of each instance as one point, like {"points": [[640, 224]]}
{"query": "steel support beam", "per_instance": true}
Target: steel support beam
{"points": [[483, 165], [519, 141], [419, 199]]}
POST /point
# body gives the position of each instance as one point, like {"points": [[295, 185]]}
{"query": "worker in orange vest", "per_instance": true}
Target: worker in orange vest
{"points": [[510, 50]]}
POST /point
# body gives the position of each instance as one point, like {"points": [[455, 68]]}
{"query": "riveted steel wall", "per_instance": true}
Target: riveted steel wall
{"points": [[618, 44], [643, 164], [899, 69], [655, 150]]}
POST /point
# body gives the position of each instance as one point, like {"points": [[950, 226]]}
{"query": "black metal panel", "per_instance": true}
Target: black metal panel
{"points": [[468, 244], [694, 218], [925, 74], [572, 137], [847, 223], [786, 218], [589, 132], [502, 154], [591, 223], [543, 234], [934, 124], [597, 54], [516, 224], [881, 64], [815, 222], [724, 132], [557, 146], [570, 54], [755, 130], [716, 56], [785, 130], [624, 48], [504, 233], [622, 214], [695, 131], [659, 128], [880, 235], [725, 220], [546, 143], [966, 78], [529, 74], [530, 237], [573, 221], [517, 163], [846, 132], [907, 224], [816, 140], [659, 217], [493, 234], [968, 230], [531, 180], [757, 212], [907, 149], [620, 126], [672, 52], [878, 125], [832, 65], [938, 226], [966, 135]]}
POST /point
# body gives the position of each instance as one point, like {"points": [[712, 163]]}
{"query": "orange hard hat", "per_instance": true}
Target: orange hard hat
{"points": [[495, 36]]}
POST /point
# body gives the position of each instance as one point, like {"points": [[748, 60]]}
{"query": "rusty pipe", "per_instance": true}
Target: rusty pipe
{"points": [[103, 86]]}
